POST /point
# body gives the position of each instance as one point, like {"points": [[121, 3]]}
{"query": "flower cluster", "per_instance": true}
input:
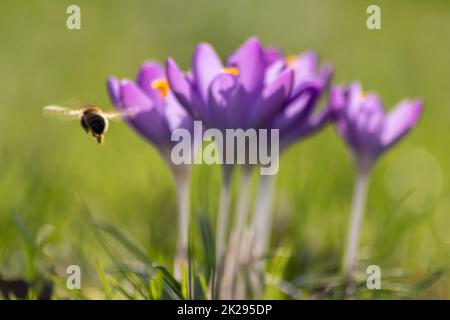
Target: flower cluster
{"points": [[258, 88]]}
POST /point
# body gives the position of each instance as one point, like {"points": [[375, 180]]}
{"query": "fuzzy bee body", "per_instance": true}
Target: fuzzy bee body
{"points": [[93, 120], [94, 123]]}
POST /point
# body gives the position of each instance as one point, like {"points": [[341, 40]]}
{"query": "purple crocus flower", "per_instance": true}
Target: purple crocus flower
{"points": [[234, 94], [150, 108], [257, 88], [363, 124], [369, 132]]}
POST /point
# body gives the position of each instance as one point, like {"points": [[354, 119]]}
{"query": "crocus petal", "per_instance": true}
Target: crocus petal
{"points": [[368, 125], [176, 116], [226, 98], [305, 65], [337, 101], [325, 75], [273, 71], [144, 116], [113, 86], [249, 60], [184, 92], [312, 125], [149, 72], [298, 110], [206, 65], [271, 55], [133, 98], [306, 72], [272, 100], [371, 115], [355, 100], [399, 121], [360, 119]]}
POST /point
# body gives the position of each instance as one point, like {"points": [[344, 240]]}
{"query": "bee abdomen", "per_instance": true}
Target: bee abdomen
{"points": [[95, 122]]}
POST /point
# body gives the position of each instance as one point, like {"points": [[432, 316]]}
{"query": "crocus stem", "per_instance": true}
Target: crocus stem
{"points": [[182, 190], [232, 258], [243, 203], [260, 230], [223, 214], [261, 219], [358, 204]]}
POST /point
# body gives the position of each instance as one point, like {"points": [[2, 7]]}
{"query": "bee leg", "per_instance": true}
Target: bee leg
{"points": [[100, 138]]}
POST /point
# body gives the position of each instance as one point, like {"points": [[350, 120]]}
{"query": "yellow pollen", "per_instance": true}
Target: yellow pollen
{"points": [[364, 95], [291, 60], [231, 70], [161, 85]]}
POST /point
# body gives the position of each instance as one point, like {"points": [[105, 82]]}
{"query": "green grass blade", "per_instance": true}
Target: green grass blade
{"points": [[131, 247]]}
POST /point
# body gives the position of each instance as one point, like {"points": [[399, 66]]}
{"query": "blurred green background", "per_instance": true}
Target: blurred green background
{"points": [[46, 165]]}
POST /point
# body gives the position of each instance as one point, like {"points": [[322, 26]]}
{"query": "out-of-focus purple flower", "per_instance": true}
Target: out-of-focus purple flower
{"points": [[235, 94], [362, 123], [149, 106], [297, 120]]}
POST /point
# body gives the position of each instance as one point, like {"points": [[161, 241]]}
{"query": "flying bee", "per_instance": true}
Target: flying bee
{"points": [[93, 120]]}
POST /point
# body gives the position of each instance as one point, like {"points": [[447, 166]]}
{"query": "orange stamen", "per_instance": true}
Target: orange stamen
{"points": [[162, 86], [231, 70], [291, 60]]}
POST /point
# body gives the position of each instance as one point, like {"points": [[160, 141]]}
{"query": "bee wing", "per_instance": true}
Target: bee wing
{"points": [[117, 115], [112, 115], [62, 112]]}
